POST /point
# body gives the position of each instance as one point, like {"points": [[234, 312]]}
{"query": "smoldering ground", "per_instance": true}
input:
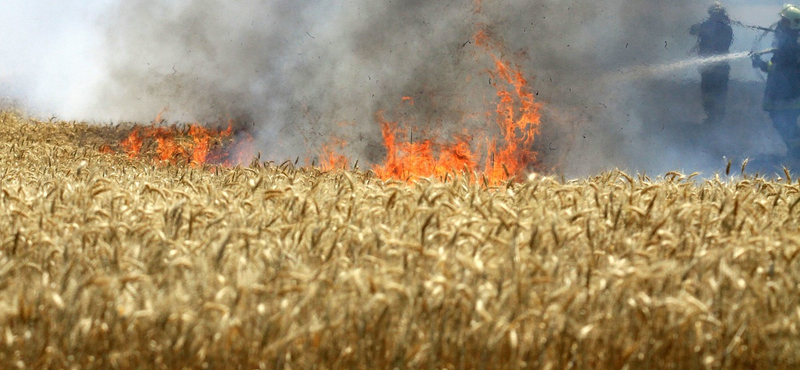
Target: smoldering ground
{"points": [[301, 72]]}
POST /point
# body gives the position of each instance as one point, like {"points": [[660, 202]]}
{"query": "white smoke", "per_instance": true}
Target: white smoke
{"points": [[50, 51]]}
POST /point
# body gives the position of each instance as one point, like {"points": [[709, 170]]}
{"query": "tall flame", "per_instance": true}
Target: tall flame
{"points": [[518, 119], [505, 157], [201, 138]]}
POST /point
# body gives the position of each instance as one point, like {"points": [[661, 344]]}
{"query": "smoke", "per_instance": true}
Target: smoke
{"points": [[49, 52], [299, 72]]}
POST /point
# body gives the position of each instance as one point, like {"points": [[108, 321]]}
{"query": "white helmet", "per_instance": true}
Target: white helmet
{"points": [[792, 14]]}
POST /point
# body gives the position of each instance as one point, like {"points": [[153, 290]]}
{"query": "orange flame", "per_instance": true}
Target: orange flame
{"points": [[202, 142], [168, 149], [505, 149], [409, 161], [507, 155], [203, 145], [133, 143], [518, 119], [200, 137], [330, 159]]}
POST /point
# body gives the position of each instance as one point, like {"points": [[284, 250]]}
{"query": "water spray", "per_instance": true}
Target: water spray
{"points": [[653, 71]]}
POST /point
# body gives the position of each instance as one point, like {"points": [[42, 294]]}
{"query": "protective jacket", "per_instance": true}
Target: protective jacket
{"points": [[783, 79], [714, 35]]}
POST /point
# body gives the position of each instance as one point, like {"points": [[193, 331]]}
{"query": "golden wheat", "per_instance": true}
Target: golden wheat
{"points": [[108, 262]]}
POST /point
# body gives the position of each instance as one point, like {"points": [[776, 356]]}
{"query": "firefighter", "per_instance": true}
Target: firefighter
{"points": [[782, 93], [714, 37]]}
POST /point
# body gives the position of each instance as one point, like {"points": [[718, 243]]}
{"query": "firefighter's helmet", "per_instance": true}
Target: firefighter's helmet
{"points": [[716, 9], [792, 14]]}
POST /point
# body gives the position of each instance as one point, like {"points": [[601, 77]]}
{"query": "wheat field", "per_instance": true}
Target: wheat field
{"points": [[108, 262]]}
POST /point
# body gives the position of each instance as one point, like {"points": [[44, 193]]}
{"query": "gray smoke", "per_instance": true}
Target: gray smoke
{"points": [[298, 72]]}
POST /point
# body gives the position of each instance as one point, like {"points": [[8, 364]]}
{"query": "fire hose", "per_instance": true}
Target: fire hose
{"points": [[740, 24], [759, 64]]}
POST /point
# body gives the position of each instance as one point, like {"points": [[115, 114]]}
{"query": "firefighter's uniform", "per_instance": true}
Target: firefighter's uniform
{"points": [[714, 37], [782, 93]]}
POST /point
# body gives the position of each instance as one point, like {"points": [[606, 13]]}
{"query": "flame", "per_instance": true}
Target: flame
{"points": [[506, 154], [168, 149], [197, 146], [202, 141], [201, 138], [133, 143], [502, 152], [518, 119], [409, 161], [330, 159]]}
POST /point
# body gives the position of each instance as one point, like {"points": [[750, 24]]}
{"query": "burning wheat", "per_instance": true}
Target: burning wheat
{"points": [[113, 262]]}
